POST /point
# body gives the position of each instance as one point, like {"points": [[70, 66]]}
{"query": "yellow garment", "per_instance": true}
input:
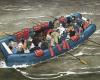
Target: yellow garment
{"points": [[55, 36]]}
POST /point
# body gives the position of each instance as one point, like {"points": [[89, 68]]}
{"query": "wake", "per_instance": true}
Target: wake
{"points": [[59, 74]]}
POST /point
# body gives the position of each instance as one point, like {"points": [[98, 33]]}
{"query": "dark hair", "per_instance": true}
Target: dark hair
{"points": [[22, 40], [10, 47]]}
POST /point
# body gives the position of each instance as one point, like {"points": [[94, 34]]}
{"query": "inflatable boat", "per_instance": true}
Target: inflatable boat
{"points": [[40, 55]]}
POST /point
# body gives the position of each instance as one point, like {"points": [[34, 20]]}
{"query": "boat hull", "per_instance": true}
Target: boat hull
{"points": [[31, 58]]}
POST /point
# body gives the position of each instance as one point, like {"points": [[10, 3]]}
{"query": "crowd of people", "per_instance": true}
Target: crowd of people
{"points": [[58, 30]]}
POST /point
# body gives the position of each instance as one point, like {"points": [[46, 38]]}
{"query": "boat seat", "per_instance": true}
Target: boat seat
{"points": [[7, 48]]}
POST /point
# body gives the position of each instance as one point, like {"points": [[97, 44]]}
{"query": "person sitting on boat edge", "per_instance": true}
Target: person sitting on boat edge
{"points": [[63, 21], [86, 24], [61, 29], [13, 46], [73, 35], [22, 46], [56, 23]]}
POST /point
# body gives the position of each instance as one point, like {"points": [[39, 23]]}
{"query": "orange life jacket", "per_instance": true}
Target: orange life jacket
{"points": [[39, 53]]}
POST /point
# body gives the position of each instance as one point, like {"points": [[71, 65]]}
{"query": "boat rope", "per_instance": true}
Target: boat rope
{"points": [[81, 60], [91, 45], [94, 42]]}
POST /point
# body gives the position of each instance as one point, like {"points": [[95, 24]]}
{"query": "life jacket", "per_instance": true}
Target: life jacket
{"points": [[39, 52], [74, 38], [85, 24], [65, 44], [25, 33], [19, 35], [37, 28]]}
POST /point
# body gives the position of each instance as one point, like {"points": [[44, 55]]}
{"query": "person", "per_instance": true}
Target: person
{"points": [[56, 23], [13, 49], [49, 38], [36, 41], [51, 25], [22, 47], [86, 24], [13, 46], [63, 21], [32, 46], [61, 29], [73, 35], [55, 35], [75, 24], [44, 45]]}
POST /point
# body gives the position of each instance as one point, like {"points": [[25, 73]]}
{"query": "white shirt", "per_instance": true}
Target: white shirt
{"points": [[32, 46], [61, 29]]}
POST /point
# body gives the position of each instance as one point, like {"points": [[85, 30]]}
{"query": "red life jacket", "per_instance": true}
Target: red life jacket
{"points": [[75, 37], [19, 35], [25, 33]]}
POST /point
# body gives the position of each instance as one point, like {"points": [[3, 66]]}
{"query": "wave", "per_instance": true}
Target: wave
{"points": [[20, 9], [3, 65], [97, 31], [89, 13], [84, 70]]}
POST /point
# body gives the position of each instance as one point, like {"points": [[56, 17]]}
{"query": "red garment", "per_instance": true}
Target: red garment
{"points": [[75, 37], [19, 35], [85, 24], [51, 51], [62, 19], [49, 31], [25, 33], [58, 47]]}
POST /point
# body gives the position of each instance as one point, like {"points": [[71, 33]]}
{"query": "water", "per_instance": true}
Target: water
{"points": [[16, 14]]}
